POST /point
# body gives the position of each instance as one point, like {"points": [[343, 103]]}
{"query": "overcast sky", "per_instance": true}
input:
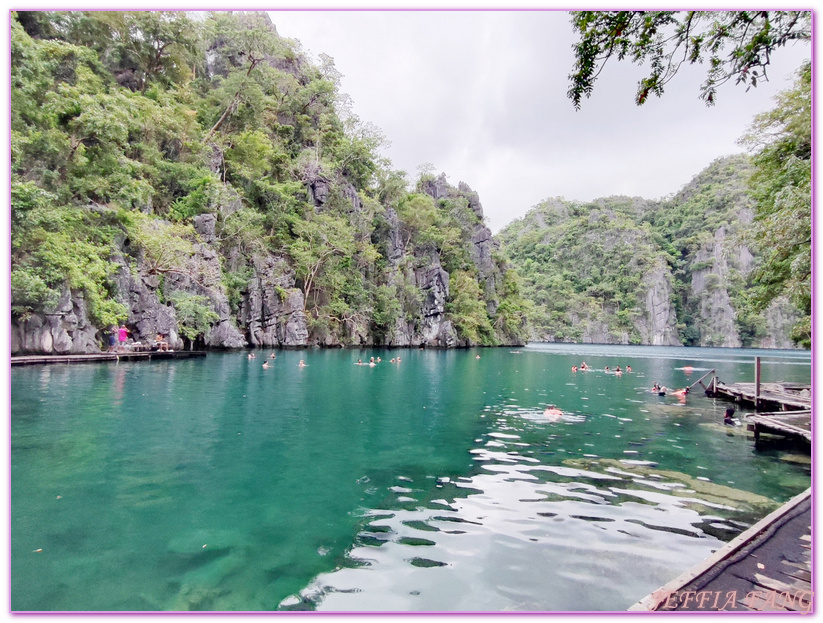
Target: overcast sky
{"points": [[481, 95]]}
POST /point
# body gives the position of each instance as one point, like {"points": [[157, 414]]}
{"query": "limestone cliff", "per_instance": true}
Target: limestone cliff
{"points": [[626, 270]]}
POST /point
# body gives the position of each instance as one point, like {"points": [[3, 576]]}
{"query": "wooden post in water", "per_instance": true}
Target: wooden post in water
{"points": [[757, 383]]}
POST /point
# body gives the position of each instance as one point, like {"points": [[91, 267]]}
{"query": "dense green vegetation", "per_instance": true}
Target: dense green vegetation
{"points": [[781, 186], [584, 265], [128, 125], [735, 242], [589, 267]]}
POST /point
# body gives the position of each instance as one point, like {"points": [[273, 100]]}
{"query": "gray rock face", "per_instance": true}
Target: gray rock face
{"points": [[272, 309], [718, 318], [396, 244], [66, 330], [438, 187], [436, 329], [204, 225], [147, 315], [780, 318], [658, 326], [319, 192], [488, 272]]}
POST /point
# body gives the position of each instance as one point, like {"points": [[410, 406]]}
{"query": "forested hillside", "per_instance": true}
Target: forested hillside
{"points": [[198, 176], [628, 270]]}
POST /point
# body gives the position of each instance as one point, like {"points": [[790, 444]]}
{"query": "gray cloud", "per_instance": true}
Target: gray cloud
{"points": [[482, 96]]}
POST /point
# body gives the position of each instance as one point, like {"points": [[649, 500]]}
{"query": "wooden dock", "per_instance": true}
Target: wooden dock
{"points": [[772, 396], [767, 568], [777, 396], [797, 424], [30, 360]]}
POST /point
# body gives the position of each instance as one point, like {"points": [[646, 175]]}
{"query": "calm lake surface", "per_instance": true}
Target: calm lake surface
{"points": [[435, 484]]}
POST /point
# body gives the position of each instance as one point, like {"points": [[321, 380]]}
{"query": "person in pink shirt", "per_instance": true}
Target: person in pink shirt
{"points": [[123, 336]]}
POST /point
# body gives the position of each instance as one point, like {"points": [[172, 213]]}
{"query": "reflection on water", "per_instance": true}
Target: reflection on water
{"points": [[436, 484], [588, 534]]}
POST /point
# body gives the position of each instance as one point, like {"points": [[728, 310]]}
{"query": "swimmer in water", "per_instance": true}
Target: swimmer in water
{"points": [[552, 413], [574, 368], [265, 365], [628, 368], [302, 364], [681, 394]]}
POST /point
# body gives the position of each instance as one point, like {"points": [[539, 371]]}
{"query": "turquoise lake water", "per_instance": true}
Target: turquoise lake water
{"points": [[435, 484]]}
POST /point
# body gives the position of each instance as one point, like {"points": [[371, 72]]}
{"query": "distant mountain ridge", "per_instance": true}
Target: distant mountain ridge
{"points": [[626, 270]]}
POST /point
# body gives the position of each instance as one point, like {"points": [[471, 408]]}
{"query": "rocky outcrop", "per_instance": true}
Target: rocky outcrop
{"points": [[422, 269], [272, 310], [138, 290], [436, 329], [658, 325], [717, 315], [65, 330], [779, 318]]}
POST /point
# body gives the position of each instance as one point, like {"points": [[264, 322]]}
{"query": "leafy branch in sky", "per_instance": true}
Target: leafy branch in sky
{"points": [[736, 45]]}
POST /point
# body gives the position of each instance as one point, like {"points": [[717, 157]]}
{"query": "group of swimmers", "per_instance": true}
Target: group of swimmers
{"points": [[265, 363], [585, 368], [373, 362], [272, 357], [662, 390]]}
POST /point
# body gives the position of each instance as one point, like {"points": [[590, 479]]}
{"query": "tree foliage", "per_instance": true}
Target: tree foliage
{"points": [[126, 127], [736, 45], [195, 315], [781, 185]]}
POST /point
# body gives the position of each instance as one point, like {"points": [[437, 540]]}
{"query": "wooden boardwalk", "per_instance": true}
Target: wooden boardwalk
{"points": [[29, 360], [765, 569], [796, 424], [775, 396]]}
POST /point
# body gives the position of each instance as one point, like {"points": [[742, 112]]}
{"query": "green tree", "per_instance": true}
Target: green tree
{"points": [[248, 40], [194, 314], [167, 247], [737, 45], [781, 185], [467, 309]]}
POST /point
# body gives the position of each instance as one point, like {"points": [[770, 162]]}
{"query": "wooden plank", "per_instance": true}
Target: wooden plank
{"points": [[104, 357], [781, 587], [800, 574], [656, 599], [798, 565]]}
